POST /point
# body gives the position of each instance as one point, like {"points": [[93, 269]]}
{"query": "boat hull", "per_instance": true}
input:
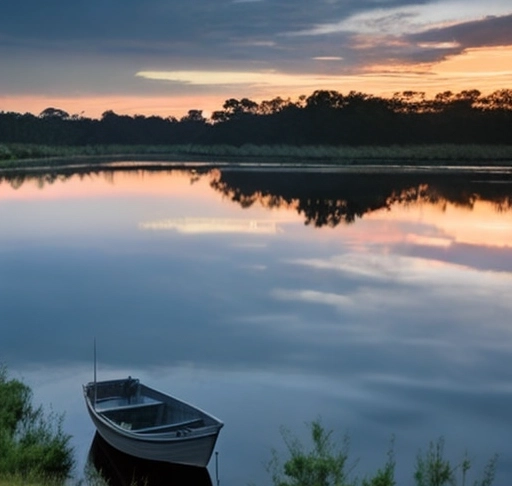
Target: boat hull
{"points": [[193, 449], [120, 469]]}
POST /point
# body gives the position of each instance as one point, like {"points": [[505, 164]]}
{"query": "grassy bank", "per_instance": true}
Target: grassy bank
{"points": [[24, 155], [16, 481], [33, 446], [13, 481], [24, 481], [96, 480]]}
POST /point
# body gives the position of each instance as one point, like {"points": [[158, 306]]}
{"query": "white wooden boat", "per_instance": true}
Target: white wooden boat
{"points": [[146, 423]]}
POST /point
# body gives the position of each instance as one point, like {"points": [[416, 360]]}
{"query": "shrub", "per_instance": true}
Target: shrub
{"points": [[325, 464], [32, 443], [433, 469], [5, 153]]}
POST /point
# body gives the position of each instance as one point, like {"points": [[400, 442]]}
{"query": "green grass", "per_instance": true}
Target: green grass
{"points": [[33, 445], [28, 155], [23, 481], [14, 481], [17, 480]]}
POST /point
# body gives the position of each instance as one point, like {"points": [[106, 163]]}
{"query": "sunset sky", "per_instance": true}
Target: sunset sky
{"points": [[165, 57]]}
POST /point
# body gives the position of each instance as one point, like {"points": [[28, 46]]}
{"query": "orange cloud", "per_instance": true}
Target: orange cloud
{"points": [[485, 69]]}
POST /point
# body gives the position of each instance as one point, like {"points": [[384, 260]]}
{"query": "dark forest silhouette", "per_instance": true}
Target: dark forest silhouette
{"points": [[323, 118]]}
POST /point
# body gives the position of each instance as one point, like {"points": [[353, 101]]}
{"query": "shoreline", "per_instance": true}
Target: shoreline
{"points": [[23, 157], [366, 160], [141, 162]]}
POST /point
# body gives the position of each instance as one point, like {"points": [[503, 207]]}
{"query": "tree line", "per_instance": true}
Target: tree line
{"points": [[326, 117]]}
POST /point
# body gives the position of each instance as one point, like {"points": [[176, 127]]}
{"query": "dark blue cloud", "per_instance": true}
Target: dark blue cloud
{"points": [[488, 32], [221, 29], [195, 22], [90, 47]]}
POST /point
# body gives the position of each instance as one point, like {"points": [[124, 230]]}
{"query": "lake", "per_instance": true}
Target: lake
{"points": [[376, 300]]}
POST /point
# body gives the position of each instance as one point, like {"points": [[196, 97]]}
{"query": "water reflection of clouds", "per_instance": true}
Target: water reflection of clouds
{"points": [[435, 276], [213, 225], [380, 324], [440, 224], [314, 297], [428, 240], [403, 307], [372, 266]]}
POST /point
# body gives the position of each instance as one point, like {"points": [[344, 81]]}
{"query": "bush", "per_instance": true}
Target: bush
{"points": [[32, 443], [325, 464], [433, 469], [5, 153]]}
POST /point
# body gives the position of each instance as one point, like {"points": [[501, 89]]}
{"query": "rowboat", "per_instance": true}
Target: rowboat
{"points": [[149, 424]]}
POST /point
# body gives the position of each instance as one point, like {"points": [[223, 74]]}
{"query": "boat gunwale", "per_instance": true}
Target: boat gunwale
{"points": [[159, 437]]}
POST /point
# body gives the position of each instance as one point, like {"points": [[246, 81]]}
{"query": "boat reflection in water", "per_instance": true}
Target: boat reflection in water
{"points": [[120, 469]]}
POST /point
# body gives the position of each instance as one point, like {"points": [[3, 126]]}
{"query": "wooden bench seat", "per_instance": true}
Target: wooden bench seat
{"points": [[133, 406], [170, 427]]}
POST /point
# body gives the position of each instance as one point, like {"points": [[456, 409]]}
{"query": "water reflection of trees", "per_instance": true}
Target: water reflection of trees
{"points": [[323, 198], [18, 179], [41, 178], [328, 199]]}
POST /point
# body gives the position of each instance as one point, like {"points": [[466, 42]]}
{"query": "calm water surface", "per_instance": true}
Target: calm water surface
{"points": [[381, 304]]}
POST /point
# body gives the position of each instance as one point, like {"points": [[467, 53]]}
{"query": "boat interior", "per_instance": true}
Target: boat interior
{"points": [[134, 407]]}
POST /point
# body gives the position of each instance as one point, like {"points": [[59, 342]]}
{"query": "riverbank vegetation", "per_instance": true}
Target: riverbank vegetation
{"points": [[325, 125], [34, 449], [32, 155], [327, 464]]}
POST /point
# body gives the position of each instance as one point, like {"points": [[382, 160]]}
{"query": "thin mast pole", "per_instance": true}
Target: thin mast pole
{"points": [[95, 385], [217, 467]]}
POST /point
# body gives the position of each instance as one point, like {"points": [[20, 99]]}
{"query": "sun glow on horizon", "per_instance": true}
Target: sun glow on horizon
{"points": [[485, 69], [473, 67], [95, 106]]}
